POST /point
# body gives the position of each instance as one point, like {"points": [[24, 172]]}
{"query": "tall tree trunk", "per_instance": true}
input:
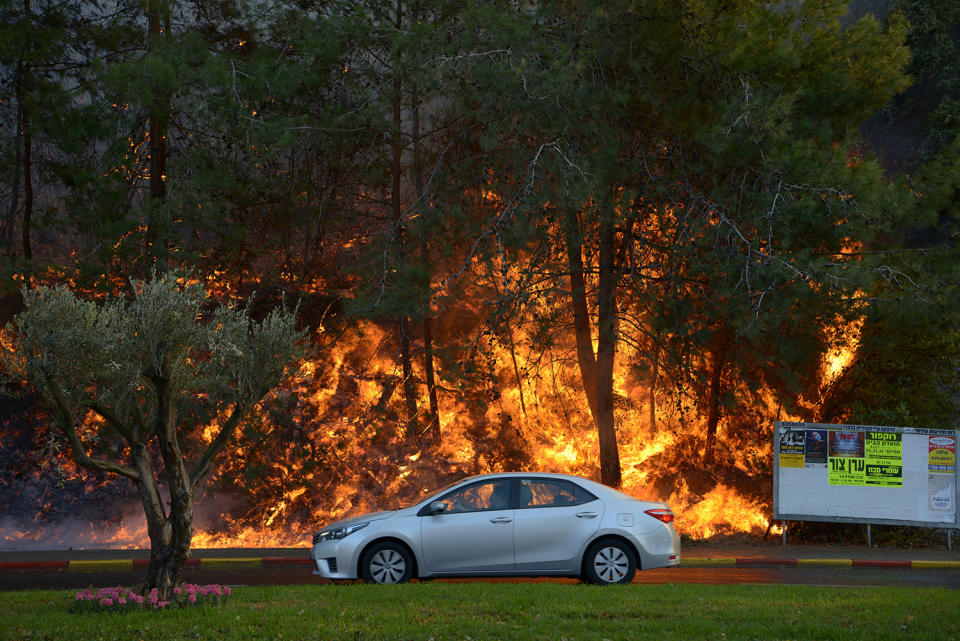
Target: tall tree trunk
{"points": [[27, 189], [409, 385], [513, 349], [10, 223], [433, 424], [652, 394], [24, 151], [396, 169], [158, 18], [606, 351], [718, 356], [581, 315]]}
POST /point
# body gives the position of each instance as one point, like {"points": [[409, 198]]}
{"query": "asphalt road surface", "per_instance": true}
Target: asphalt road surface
{"points": [[822, 576]]}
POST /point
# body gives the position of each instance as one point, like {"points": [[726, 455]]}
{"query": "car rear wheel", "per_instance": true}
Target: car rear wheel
{"points": [[609, 561], [386, 563]]}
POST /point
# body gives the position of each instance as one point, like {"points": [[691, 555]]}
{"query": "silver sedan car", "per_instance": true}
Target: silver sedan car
{"points": [[513, 524]]}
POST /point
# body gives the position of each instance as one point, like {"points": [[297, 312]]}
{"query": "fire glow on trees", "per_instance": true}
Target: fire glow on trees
{"points": [[674, 126], [330, 444]]}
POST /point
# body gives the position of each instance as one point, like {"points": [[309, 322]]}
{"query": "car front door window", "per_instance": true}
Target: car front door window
{"points": [[494, 495]]}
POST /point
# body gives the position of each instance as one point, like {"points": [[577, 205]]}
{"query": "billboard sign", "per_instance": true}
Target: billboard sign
{"points": [[865, 474]]}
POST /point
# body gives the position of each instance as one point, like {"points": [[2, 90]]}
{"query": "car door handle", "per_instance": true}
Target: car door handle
{"points": [[501, 519], [586, 515]]}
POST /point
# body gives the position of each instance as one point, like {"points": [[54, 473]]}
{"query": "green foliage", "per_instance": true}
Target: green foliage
{"points": [[85, 355], [932, 104], [722, 139]]}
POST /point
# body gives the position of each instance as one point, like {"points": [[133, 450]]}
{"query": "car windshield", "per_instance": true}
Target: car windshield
{"points": [[431, 495]]}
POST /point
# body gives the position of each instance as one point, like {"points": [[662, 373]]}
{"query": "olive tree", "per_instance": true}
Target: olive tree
{"points": [[151, 386]]}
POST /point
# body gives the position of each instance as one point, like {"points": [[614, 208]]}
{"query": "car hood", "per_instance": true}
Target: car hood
{"points": [[372, 516]]}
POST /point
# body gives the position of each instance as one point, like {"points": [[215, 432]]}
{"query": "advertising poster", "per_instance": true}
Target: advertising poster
{"points": [[847, 444], [846, 463], [883, 454], [941, 465], [815, 450], [866, 458], [791, 448], [941, 492], [942, 457]]}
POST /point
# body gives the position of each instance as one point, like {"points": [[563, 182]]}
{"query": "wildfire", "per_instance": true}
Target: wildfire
{"points": [[846, 339], [334, 443]]}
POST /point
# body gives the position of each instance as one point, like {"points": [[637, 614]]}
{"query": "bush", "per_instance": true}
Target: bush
{"points": [[120, 599]]}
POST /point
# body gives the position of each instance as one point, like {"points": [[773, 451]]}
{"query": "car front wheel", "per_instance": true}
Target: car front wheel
{"points": [[386, 563], [609, 561]]}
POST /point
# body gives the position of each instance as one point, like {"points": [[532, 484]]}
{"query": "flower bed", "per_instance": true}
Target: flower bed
{"points": [[120, 599]]}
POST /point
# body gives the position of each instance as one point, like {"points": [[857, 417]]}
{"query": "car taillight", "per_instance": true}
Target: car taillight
{"points": [[661, 514]]}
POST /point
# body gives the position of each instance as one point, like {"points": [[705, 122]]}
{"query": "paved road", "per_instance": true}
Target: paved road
{"points": [[806, 565]]}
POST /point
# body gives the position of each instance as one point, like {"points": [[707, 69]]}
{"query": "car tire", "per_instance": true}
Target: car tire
{"points": [[609, 562], [386, 563]]}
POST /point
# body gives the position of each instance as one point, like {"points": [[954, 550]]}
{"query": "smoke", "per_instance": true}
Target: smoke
{"points": [[70, 533]]}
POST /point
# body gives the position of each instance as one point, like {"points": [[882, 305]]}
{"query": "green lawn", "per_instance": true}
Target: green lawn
{"points": [[479, 611]]}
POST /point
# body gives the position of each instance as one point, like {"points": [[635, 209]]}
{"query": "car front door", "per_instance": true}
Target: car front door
{"points": [[554, 519], [474, 533]]}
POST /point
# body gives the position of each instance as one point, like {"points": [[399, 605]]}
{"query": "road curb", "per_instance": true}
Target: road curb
{"points": [[752, 561], [130, 565], [227, 563]]}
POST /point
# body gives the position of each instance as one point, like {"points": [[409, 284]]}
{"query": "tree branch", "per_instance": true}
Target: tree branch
{"points": [[78, 451], [111, 418], [217, 445]]}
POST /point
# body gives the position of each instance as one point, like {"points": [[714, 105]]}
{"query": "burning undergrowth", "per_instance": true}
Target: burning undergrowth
{"points": [[335, 442]]}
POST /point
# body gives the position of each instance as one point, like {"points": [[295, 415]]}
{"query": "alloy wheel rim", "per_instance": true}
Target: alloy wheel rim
{"points": [[610, 564], [387, 566]]}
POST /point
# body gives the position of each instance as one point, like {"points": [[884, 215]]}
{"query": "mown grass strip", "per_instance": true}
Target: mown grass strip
{"points": [[475, 611]]}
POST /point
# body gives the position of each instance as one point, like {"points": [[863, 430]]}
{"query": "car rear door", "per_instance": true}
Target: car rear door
{"points": [[554, 520], [474, 535]]}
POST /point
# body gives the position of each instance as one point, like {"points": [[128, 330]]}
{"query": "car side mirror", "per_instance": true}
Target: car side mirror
{"points": [[436, 507]]}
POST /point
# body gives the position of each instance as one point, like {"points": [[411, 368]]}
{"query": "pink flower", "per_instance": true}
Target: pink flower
{"points": [[192, 598]]}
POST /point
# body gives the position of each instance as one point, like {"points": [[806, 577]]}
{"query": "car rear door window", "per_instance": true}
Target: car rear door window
{"points": [[552, 493]]}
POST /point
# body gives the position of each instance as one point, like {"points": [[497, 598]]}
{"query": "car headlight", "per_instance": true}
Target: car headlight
{"points": [[338, 532]]}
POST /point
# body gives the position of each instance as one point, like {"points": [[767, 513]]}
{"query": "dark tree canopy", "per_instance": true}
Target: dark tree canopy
{"points": [[517, 223]]}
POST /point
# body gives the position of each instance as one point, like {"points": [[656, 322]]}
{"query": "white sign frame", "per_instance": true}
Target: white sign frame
{"points": [[804, 492]]}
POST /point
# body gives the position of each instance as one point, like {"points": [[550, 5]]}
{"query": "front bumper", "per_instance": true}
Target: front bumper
{"points": [[334, 559]]}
